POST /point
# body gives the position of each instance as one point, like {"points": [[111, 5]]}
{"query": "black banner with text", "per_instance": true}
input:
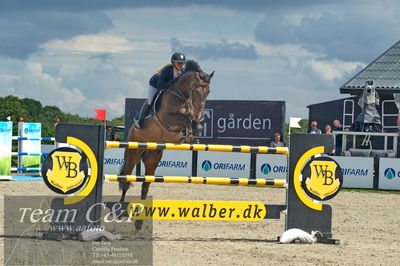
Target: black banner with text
{"points": [[231, 122]]}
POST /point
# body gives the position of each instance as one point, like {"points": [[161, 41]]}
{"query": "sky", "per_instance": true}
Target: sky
{"points": [[81, 55]]}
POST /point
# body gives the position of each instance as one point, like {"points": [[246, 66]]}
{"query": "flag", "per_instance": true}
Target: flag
{"points": [[101, 114], [294, 122], [8, 118]]}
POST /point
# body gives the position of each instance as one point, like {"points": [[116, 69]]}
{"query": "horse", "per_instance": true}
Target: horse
{"points": [[177, 120]]}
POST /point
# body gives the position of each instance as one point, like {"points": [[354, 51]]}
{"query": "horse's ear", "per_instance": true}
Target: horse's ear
{"points": [[210, 76]]}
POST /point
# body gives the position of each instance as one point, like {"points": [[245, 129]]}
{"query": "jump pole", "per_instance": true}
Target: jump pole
{"points": [[198, 180]]}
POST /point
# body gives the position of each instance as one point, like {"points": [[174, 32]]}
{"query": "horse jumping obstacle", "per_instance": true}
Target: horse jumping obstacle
{"points": [[195, 147], [28, 155], [302, 211], [198, 180]]}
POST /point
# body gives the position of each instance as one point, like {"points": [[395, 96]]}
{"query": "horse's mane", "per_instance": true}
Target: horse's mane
{"points": [[191, 65], [187, 76]]}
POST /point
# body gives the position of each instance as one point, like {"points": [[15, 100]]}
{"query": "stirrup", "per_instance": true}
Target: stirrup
{"points": [[137, 125]]}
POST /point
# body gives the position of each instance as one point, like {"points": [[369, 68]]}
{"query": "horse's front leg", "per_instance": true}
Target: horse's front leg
{"points": [[189, 137], [197, 128], [150, 160], [178, 122]]}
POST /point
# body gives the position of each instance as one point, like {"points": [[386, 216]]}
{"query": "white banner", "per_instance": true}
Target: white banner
{"points": [[389, 173], [272, 166], [113, 161], [31, 131], [177, 163], [5, 149], [358, 172], [223, 164]]}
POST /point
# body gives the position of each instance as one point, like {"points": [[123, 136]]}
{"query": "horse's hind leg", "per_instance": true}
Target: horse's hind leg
{"points": [[150, 160], [131, 158]]}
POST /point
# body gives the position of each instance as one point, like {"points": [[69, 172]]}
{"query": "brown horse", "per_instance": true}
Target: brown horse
{"points": [[178, 119]]}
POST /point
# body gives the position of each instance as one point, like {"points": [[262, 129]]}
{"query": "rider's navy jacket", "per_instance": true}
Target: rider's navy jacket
{"points": [[154, 80], [166, 77]]}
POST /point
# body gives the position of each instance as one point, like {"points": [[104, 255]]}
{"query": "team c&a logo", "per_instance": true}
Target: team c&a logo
{"points": [[65, 170], [322, 178]]}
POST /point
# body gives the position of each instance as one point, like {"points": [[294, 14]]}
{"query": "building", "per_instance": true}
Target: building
{"points": [[384, 71]]}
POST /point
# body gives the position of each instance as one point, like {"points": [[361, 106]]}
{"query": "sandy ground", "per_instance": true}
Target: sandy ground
{"points": [[367, 225]]}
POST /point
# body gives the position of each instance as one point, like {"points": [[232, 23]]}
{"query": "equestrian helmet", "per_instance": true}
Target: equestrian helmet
{"points": [[178, 57]]}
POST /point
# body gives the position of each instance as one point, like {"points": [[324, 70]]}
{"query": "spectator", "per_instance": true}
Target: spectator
{"points": [[339, 137], [116, 137], [109, 134], [328, 129], [277, 141], [314, 128]]}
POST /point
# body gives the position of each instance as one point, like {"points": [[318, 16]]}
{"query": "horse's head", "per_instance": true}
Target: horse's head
{"points": [[200, 92]]}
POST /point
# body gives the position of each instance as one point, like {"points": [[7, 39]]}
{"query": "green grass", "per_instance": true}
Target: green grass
{"points": [[31, 161], [5, 165]]}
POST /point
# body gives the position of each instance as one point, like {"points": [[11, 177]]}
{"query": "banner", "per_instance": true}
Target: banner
{"points": [[5, 149], [389, 173], [231, 122], [173, 163], [30, 131], [358, 172], [272, 166], [223, 164]]}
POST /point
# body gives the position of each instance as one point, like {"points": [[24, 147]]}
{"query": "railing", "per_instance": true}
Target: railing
{"points": [[366, 139]]}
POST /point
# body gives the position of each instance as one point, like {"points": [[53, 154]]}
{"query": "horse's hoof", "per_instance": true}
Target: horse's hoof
{"points": [[138, 225]]}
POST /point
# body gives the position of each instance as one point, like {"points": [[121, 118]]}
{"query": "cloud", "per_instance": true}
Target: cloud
{"points": [[356, 34], [216, 51], [100, 43], [96, 5], [24, 32], [29, 24], [35, 83], [76, 89]]}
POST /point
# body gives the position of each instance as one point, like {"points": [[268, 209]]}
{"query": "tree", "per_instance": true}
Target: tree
{"points": [[304, 126], [33, 111]]}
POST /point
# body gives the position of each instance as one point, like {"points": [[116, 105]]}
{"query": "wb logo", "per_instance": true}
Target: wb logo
{"points": [[322, 171], [322, 178], [207, 122], [65, 170], [70, 167]]}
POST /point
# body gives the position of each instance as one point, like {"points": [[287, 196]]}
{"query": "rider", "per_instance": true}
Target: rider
{"points": [[162, 80]]}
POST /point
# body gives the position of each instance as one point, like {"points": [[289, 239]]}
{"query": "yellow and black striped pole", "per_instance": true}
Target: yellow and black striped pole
{"points": [[198, 180], [195, 147]]}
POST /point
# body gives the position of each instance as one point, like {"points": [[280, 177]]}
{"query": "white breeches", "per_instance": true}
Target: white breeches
{"points": [[152, 91]]}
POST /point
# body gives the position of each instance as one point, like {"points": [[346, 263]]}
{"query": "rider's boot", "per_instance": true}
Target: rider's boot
{"points": [[143, 112]]}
